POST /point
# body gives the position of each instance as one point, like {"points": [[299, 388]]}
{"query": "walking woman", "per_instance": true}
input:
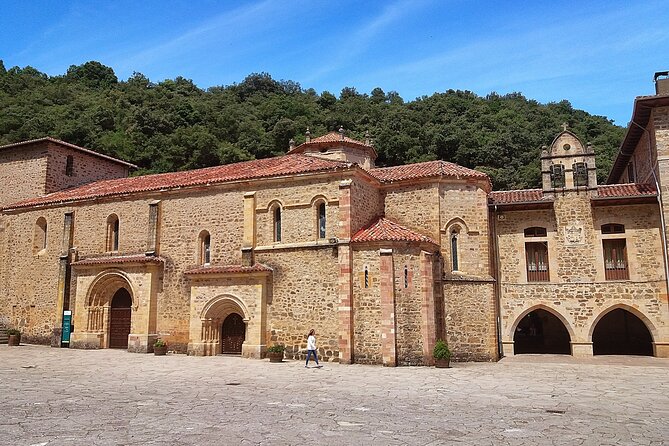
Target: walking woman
{"points": [[311, 347]]}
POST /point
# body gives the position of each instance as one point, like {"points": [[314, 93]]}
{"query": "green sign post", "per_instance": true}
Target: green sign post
{"points": [[67, 326]]}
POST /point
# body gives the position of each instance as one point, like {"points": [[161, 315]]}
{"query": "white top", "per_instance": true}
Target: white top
{"points": [[311, 342]]}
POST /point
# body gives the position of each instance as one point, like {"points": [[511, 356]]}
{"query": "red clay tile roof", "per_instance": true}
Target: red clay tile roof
{"points": [[332, 138], [106, 260], [603, 191], [387, 230], [71, 146], [626, 190], [423, 170], [247, 170], [229, 269], [516, 196]]}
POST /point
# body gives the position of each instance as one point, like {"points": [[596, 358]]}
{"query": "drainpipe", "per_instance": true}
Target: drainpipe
{"points": [[498, 287], [663, 233]]}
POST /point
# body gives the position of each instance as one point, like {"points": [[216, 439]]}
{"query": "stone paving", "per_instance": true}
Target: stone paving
{"points": [[54, 396]]}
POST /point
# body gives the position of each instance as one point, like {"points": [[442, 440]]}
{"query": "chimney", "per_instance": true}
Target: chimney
{"points": [[341, 132], [307, 135], [291, 144], [661, 83]]}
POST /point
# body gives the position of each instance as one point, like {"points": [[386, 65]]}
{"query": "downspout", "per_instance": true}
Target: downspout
{"points": [[663, 233], [498, 288]]}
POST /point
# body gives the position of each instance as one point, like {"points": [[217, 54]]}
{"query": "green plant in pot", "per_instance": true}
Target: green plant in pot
{"points": [[14, 337], [275, 353], [160, 347], [441, 354]]}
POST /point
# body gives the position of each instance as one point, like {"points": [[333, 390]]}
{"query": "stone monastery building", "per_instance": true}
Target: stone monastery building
{"points": [[382, 262]]}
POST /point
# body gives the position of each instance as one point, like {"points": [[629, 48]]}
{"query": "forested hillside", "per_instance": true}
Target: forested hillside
{"points": [[174, 125]]}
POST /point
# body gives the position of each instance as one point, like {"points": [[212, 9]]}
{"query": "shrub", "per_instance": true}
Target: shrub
{"points": [[13, 332], [276, 348], [159, 343], [441, 350]]}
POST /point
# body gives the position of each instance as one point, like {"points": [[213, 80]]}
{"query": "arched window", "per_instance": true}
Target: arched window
{"points": [[454, 250], [69, 166], [580, 171], [205, 248], [277, 224], [39, 238], [112, 232], [557, 176], [321, 220]]}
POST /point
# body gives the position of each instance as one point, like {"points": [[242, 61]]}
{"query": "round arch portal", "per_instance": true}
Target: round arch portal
{"points": [[620, 332], [540, 331]]}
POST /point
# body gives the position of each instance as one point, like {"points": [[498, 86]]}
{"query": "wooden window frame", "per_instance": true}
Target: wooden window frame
{"points": [[558, 179], [537, 264], [616, 266], [580, 174]]}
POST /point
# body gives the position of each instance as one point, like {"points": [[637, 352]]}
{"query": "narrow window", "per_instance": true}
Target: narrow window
{"points": [[69, 166], [39, 238], [321, 220], [557, 176], [537, 261], [277, 224], [205, 248], [615, 259], [631, 177], [580, 171], [366, 277], [112, 233], [406, 276], [454, 251]]}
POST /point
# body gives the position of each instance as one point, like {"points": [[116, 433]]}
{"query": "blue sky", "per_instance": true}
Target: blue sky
{"points": [[598, 55]]}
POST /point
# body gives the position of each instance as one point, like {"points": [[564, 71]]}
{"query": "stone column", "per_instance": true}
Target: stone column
{"points": [[387, 288], [429, 326], [249, 240], [345, 260]]}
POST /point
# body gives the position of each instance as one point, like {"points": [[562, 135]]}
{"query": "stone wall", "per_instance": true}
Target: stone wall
{"points": [[304, 296], [578, 291], [366, 308], [415, 207], [408, 306], [31, 161], [366, 204], [465, 206], [299, 217], [470, 320], [86, 168]]}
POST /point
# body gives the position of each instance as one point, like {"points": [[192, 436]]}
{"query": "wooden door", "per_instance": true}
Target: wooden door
{"points": [[120, 318], [233, 334]]}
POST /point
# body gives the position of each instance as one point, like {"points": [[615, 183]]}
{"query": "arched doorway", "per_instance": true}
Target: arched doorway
{"points": [[540, 331], [120, 317], [233, 334], [620, 332]]}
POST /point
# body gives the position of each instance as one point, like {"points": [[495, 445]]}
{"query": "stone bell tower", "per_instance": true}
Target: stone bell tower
{"points": [[568, 166]]}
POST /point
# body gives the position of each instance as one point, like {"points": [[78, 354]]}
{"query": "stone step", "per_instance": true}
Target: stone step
{"points": [[3, 336]]}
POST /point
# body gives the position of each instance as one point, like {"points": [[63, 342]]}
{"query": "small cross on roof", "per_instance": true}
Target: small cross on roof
{"points": [[564, 126]]}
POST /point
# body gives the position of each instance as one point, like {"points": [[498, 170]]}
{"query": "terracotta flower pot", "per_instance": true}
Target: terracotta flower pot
{"points": [[275, 356], [160, 350], [442, 363], [13, 340]]}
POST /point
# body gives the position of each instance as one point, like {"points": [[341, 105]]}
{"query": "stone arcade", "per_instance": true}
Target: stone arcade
{"points": [[382, 262]]}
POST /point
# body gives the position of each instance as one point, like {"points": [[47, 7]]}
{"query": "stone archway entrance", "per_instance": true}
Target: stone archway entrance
{"points": [[540, 331], [120, 317], [233, 334], [620, 332]]}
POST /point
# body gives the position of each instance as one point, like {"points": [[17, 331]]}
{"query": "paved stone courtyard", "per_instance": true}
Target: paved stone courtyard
{"points": [[108, 397]]}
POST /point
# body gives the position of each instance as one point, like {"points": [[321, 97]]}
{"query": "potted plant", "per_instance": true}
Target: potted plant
{"points": [[275, 353], [14, 337], [160, 347], [441, 354]]}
